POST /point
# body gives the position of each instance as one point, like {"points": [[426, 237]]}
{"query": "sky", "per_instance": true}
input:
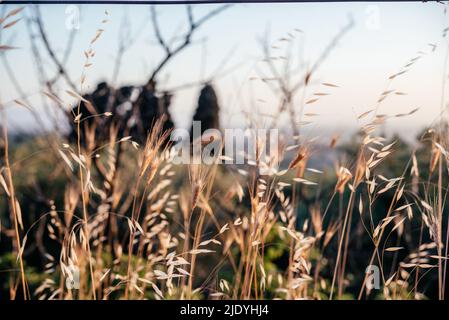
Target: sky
{"points": [[384, 38]]}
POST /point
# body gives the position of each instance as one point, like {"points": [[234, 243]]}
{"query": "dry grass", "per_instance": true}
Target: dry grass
{"points": [[138, 226]]}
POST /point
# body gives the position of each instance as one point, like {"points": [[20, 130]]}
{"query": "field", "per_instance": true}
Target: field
{"points": [[104, 209]]}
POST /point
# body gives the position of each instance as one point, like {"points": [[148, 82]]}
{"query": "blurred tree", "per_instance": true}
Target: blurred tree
{"points": [[207, 111]]}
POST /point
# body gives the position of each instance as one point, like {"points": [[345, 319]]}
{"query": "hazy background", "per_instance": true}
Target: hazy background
{"points": [[384, 38]]}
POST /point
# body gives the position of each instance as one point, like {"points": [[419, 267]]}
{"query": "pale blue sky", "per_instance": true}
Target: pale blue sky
{"points": [[360, 64]]}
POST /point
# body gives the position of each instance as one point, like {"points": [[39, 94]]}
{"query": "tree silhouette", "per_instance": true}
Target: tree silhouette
{"points": [[208, 109]]}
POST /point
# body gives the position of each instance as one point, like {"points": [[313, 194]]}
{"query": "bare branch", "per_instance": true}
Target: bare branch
{"points": [[61, 69], [211, 14], [159, 37], [193, 25], [190, 15]]}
